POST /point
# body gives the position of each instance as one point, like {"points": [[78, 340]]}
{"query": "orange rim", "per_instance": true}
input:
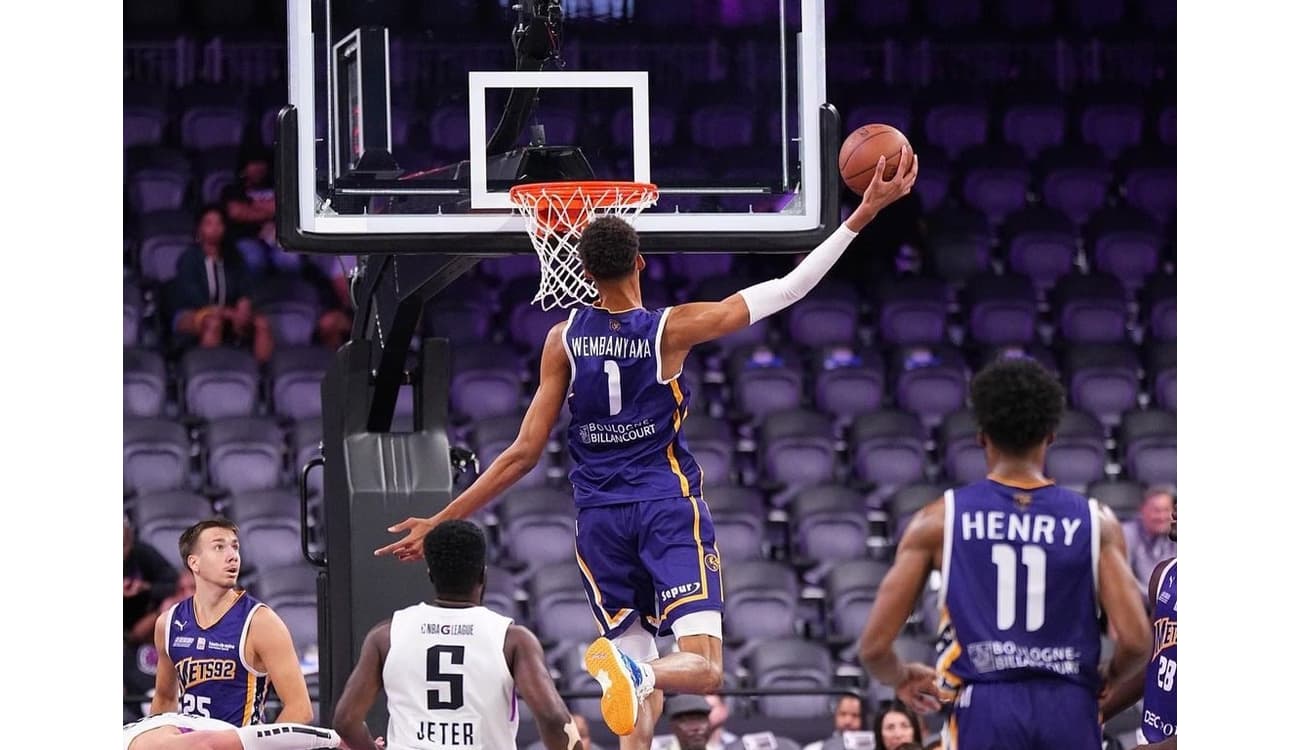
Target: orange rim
{"points": [[557, 203]]}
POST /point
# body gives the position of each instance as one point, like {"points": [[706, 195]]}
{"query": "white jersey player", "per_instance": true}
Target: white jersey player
{"points": [[451, 670], [172, 731]]}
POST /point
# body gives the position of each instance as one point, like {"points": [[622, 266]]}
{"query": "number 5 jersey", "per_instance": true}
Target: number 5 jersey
{"points": [[447, 681]]}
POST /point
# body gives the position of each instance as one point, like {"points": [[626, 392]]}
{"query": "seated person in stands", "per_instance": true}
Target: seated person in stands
{"points": [[212, 290]]}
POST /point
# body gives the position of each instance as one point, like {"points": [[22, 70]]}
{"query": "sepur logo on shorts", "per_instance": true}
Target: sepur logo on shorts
{"points": [[712, 563], [681, 589]]}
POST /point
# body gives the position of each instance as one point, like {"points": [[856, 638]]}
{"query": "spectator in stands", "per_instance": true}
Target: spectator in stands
{"points": [[250, 204], [848, 718], [897, 725], [147, 579], [696, 722], [1147, 536], [212, 291]]}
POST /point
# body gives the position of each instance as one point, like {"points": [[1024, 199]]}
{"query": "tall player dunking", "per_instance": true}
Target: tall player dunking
{"points": [[1027, 568], [644, 536], [218, 649]]}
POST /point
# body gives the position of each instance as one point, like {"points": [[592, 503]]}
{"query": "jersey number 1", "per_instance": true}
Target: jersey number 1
{"points": [[1035, 561], [615, 388], [455, 681]]}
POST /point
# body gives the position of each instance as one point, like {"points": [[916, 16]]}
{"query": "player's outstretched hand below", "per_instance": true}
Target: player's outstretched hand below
{"points": [[409, 548], [882, 192], [918, 688]]}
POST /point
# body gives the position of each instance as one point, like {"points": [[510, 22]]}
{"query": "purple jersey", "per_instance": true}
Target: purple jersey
{"points": [[215, 679], [1019, 587], [625, 433], [1160, 699]]}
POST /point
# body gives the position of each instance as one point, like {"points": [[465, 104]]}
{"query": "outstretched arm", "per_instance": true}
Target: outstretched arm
{"points": [[1126, 675], [513, 463], [697, 322], [534, 685], [898, 594], [363, 687]]}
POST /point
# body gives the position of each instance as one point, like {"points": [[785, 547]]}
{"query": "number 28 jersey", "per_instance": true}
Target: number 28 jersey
{"points": [[1019, 591], [447, 681], [625, 433]]}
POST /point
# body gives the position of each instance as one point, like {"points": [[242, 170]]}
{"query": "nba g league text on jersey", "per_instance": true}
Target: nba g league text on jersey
{"points": [[1029, 528]]}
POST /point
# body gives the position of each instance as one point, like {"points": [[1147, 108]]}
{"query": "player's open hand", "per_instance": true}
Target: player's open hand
{"points": [[918, 688], [409, 548], [882, 192]]}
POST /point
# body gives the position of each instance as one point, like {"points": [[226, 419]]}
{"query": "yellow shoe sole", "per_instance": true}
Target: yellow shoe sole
{"points": [[618, 704]]}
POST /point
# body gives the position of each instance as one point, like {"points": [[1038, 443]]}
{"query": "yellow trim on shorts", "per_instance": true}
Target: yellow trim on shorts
{"points": [[704, 578], [617, 619], [248, 699]]}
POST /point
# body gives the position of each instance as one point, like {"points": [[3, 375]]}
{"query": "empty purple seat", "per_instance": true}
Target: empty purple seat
{"points": [[161, 517], [1075, 182], [1152, 188], [829, 524], [245, 454], [273, 542], [296, 375], [144, 383], [996, 181], [490, 437], [828, 315], [1150, 446], [1127, 244], [955, 127], [791, 663], [1033, 127], [1162, 373], [848, 383], [798, 449], [761, 599], [766, 381], [460, 321], [132, 313], [888, 448], [537, 525], [212, 126], [1037, 352], [1091, 308], [1002, 309], [142, 125], [291, 307], [1111, 126], [560, 610], [485, 381], [712, 443], [1102, 380], [157, 189], [934, 183], [1122, 496], [851, 588], [738, 519], [219, 382], [963, 458], [912, 310], [158, 257], [1041, 244], [529, 324], [1161, 302], [904, 503], [959, 244], [155, 455], [246, 506], [1078, 455], [930, 381]]}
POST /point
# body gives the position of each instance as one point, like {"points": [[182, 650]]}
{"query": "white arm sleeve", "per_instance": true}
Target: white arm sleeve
{"points": [[774, 296]]}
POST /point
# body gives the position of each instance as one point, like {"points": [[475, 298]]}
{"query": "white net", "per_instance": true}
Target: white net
{"points": [[555, 215]]}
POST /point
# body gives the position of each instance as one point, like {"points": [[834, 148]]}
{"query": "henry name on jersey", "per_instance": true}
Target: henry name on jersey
{"points": [[1032, 528]]}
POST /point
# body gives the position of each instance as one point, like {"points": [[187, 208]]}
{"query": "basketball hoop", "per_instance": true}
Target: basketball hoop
{"points": [[555, 213]]}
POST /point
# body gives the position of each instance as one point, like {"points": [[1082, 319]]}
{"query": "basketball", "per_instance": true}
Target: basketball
{"points": [[863, 148]]}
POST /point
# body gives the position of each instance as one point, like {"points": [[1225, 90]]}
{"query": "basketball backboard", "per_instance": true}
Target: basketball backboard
{"points": [[407, 129]]}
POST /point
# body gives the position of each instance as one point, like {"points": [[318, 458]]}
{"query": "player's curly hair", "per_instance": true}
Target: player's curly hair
{"points": [[456, 553], [608, 248], [1017, 403]]}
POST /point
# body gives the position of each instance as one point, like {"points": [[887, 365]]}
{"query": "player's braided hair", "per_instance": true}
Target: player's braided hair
{"points": [[456, 553], [1018, 403], [608, 248]]}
